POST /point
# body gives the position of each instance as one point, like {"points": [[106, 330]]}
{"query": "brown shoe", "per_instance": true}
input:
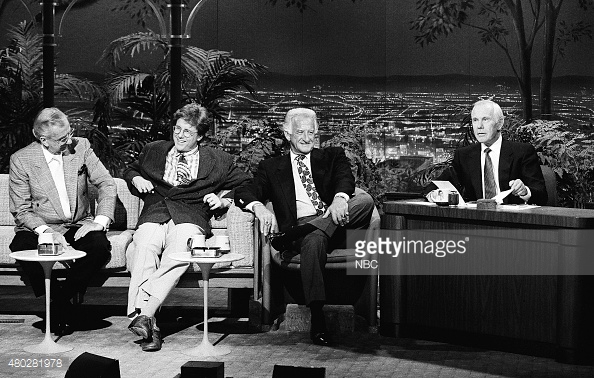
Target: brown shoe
{"points": [[155, 343], [142, 326]]}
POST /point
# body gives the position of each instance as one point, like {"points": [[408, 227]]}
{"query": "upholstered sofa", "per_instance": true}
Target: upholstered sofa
{"points": [[237, 224]]}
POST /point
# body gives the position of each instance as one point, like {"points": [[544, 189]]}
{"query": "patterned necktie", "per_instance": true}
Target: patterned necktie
{"points": [[308, 184], [490, 185], [183, 171]]}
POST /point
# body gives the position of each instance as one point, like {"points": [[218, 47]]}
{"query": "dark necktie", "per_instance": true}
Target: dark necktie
{"points": [[490, 185], [308, 184], [183, 171]]}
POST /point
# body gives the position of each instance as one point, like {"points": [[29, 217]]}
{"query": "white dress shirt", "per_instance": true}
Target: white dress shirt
{"points": [[56, 166]]}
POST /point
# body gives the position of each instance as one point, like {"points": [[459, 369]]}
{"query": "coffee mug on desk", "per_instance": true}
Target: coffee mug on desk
{"points": [[443, 197]]}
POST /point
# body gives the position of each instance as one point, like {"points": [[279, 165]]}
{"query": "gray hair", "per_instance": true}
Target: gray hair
{"points": [[299, 113], [497, 112], [46, 119]]}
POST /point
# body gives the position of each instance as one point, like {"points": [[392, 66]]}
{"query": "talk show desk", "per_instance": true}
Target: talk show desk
{"points": [[542, 315]]}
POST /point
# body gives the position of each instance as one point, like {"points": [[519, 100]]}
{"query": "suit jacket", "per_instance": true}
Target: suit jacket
{"points": [[183, 203], [516, 161], [331, 171], [34, 199]]}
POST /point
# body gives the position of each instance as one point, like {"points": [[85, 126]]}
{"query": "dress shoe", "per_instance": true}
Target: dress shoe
{"points": [[279, 241], [320, 338], [142, 326], [156, 341], [282, 241]]}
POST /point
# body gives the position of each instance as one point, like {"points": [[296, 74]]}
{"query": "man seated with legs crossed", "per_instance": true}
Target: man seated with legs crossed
{"points": [[177, 180], [311, 191]]}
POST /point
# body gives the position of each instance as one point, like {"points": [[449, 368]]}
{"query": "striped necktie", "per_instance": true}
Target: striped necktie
{"points": [[490, 185], [183, 171], [308, 184]]}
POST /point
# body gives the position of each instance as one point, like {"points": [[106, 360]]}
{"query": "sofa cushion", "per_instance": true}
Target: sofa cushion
{"points": [[6, 236], [6, 218]]}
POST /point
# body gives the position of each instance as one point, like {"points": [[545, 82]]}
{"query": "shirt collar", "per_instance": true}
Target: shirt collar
{"points": [[186, 153], [495, 147], [294, 155], [49, 156]]}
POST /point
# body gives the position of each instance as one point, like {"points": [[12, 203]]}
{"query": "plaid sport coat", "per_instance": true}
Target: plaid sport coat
{"points": [[34, 199]]}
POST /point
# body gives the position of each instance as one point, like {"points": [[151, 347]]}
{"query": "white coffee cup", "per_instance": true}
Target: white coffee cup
{"points": [[222, 241], [197, 241]]}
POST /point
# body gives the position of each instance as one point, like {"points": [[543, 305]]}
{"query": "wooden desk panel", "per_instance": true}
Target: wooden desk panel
{"points": [[544, 315]]}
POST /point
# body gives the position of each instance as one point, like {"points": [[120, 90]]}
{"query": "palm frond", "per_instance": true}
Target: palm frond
{"points": [[125, 83], [132, 44], [82, 88]]}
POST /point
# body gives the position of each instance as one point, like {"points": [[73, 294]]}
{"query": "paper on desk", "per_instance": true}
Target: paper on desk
{"points": [[499, 198], [446, 185], [518, 207]]}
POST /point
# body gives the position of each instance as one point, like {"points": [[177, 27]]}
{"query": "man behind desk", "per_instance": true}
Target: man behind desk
{"points": [[311, 191], [48, 194], [485, 169]]}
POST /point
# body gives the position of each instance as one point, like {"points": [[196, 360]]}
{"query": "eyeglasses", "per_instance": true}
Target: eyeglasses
{"points": [[63, 139], [184, 132]]}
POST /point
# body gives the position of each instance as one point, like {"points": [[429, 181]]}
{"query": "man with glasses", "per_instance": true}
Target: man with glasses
{"points": [[178, 181], [48, 194], [312, 192]]}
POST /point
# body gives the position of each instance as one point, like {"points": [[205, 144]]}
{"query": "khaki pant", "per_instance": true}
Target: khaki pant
{"points": [[153, 272]]}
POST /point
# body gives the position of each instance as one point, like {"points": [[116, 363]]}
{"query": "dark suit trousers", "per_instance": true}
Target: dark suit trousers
{"points": [[315, 246], [95, 244]]}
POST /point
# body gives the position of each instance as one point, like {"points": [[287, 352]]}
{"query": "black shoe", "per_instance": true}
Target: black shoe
{"points": [[320, 338], [279, 241], [142, 326], [156, 341], [282, 241]]}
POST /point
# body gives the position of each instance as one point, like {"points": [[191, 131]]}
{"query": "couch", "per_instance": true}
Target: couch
{"points": [[237, 224]]}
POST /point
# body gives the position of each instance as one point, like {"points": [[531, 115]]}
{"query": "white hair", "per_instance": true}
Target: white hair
{"points": [[497, 112], [299, 113]]}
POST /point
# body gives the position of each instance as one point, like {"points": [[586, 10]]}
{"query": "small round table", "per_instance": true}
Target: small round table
{"points": [[48, 345], [206, 349]]}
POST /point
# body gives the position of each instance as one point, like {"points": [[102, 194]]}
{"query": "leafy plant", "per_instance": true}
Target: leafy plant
{"points": [[21, 78], [142, 98], [569, 153]]}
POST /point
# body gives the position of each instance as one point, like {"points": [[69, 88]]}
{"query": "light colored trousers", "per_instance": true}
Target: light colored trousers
{"points": [[153, 272]]}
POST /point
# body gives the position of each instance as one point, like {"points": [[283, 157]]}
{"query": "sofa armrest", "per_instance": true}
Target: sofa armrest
{"points": [[240, 228]]}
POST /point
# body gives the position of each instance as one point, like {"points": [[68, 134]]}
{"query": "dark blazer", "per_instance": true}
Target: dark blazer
{"points": [[34, 199], [183, 203], [331, 171], [516, 161]]}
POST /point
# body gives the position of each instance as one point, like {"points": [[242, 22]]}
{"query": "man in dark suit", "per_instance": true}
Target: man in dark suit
{"points": [[312, 193], [178, 181], [485, 169], [48, 194]]}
